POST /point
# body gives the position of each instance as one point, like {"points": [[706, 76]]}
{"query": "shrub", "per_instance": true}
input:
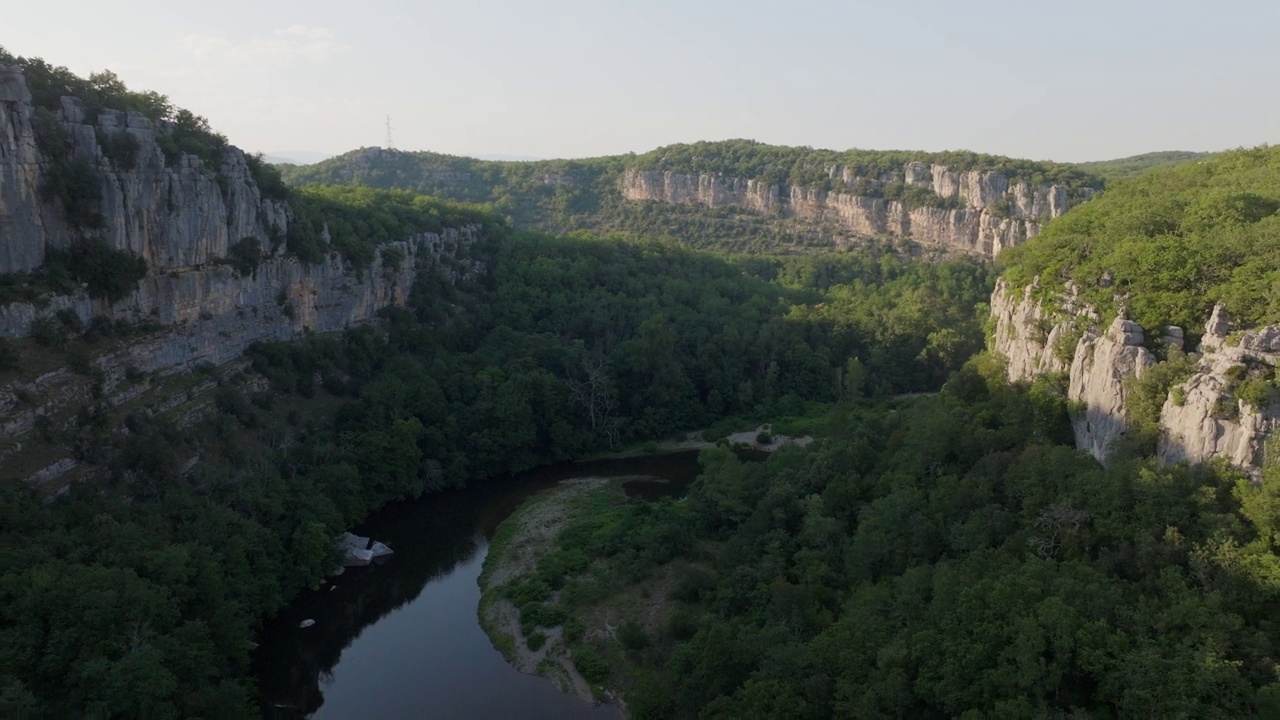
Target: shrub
{"points": [[1064, 348], [392, 258], [1226, 408], [764, 437], [527, 592], [632, 636], [110, 274], [120, 147], [78, 360], [267, 178], [591, 664], [1258, 393], [48, 332], [245, 255], [74, 184], [573, 630], [535, 640]]}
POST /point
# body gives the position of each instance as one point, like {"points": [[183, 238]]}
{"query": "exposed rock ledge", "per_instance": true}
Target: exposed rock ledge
{"points": [[1203, 422], [994, 212]]}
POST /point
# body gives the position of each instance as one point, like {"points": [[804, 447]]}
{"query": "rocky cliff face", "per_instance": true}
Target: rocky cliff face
{"points": [[190, 309], [175, 215], [1204, 419], [982, 212], [181, 217], [1201, 419]]}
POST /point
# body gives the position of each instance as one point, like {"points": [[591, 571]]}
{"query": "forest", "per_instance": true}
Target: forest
{"points": [[142, 595], [940, 556], [954, 558], [1170, 244]]}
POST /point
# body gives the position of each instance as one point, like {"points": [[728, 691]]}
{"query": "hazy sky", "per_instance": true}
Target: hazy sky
{"points": [[1078, 80]]}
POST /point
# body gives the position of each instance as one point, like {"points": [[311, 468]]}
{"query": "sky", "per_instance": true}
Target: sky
{"points": [[1067, 81]]}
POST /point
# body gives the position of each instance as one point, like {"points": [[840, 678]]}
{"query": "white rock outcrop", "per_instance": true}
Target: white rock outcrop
{"points": [[1204, 420], [1201, 419], [1101, 365], [993, 213]]}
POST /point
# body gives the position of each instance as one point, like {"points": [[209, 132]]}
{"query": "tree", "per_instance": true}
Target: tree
{"points": [[855, 375], [594, 391]]}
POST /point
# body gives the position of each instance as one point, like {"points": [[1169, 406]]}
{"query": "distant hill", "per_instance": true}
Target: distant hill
{"points": [[1130, 167], [743, 195], [503, 157], [295, 157]]}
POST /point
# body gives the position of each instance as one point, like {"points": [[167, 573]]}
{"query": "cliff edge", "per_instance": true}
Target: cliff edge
{"points": [[1206, 413]]}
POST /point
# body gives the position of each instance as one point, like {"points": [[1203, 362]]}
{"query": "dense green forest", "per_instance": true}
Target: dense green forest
{"points": [[956, 558], [142, 595], [1171, 243]]}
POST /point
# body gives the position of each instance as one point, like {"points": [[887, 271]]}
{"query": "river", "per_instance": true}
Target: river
{"points": [[401, 639]]}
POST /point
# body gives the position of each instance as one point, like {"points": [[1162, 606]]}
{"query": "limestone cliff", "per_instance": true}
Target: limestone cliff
{"points": [[181, 218], [174, 214], [1201, 418], [980, 212], [191, 308]]}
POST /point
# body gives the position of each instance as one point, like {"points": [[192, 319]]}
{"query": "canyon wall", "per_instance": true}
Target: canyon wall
{"points": [[980, 212], [192, 309], [174, 213], [1201, 419]]}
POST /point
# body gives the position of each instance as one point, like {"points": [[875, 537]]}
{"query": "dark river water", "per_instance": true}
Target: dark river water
{"points": [[401, 639]]}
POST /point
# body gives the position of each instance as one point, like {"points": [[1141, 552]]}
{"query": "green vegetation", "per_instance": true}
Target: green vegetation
{"points": [[141, 595], [181, 130], [953, 558], [1131, 167], [808, 167], [571, 195], [1146, 396], [361, 218], [107, 273], [244, 255], [1176, 240]]}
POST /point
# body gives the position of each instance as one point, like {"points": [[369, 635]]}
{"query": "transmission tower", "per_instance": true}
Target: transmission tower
{"points": [[390, 144]]}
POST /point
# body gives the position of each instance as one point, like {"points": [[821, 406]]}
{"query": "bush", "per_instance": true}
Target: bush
{"points": [[591, 664], [632, 636], [535, 640], [267, 178], [1258, 393], [527, 592], [245, 255], [74, 184], [392, 258], [109, 274], [48, 332], [120, 147]]}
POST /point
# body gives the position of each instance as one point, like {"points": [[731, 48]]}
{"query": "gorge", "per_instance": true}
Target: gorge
{"points": [[210, 370]]}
